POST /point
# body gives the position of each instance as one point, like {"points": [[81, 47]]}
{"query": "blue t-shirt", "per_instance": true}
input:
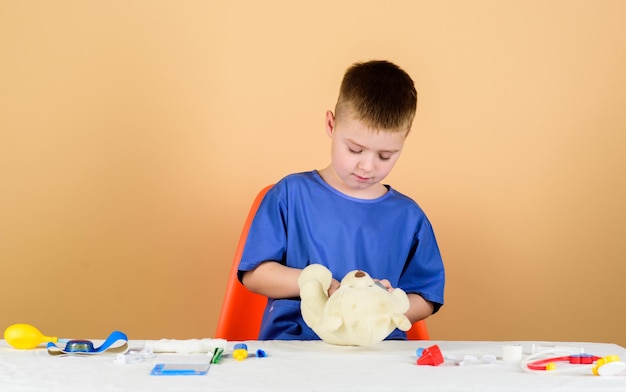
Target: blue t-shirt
{"points": [[302, 220]]}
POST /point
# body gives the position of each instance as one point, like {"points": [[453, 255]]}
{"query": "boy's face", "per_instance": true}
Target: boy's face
{"points": [[361, 157]]}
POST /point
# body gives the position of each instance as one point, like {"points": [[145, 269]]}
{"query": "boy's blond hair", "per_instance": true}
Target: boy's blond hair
{"points": [[378, 93]]}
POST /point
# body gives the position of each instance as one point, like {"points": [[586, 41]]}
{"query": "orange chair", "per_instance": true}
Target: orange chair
{"points": [[418, 331], [242, 310]]}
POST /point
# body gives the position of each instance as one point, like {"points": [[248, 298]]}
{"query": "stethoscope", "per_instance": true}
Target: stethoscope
{"points": [[610, 365]]}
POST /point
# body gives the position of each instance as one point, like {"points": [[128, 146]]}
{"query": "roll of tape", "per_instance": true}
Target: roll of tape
{"points": [[512, 352]]}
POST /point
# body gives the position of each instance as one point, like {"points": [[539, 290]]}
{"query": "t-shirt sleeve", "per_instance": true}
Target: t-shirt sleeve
{"points": [[424, 272], [267, 235]]}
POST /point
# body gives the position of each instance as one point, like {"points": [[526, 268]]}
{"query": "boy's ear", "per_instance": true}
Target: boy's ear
{"points": [[330, 123]]}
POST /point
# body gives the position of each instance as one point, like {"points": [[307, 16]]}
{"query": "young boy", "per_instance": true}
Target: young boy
{"points": [[343, 216]]}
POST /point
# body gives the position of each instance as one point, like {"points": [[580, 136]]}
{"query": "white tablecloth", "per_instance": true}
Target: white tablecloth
{"points": [[307, 366]]}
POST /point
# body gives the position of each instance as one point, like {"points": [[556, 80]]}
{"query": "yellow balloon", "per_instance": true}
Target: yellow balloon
{"points": [[25, 336]]}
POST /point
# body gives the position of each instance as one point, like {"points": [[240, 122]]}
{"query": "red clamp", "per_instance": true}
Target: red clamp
{"points": [[430, 356]]}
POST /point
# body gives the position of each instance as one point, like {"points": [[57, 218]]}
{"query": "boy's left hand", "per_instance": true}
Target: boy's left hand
{"points": [[384, 283]]}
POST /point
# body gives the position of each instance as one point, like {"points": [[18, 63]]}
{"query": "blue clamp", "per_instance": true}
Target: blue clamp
{"points": [[86, 347]]}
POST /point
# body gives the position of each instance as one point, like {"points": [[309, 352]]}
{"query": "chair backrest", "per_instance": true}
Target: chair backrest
{"points": [[242, 310], [418, 331]]}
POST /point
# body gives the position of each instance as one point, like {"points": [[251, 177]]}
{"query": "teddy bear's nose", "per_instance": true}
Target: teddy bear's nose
{"points": [[359, 274]]}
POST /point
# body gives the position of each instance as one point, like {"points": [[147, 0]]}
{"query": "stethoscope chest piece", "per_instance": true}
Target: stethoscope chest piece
{"points": [[608, 366]]}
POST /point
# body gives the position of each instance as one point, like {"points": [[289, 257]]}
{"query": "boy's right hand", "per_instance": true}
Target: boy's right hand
{"points": [[334, 285]]}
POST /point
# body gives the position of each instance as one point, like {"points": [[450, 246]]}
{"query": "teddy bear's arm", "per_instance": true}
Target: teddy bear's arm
{"points": [[401, 300], [401, 321]]}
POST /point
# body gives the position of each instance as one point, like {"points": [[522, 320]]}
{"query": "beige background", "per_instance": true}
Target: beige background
{"points": [[135, 134]]}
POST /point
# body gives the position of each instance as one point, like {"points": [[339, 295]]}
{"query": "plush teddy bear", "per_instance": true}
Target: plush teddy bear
{"points": [[359, 313]]}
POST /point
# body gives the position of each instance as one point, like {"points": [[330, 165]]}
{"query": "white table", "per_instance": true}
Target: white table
{"points": [[307, 366]]}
